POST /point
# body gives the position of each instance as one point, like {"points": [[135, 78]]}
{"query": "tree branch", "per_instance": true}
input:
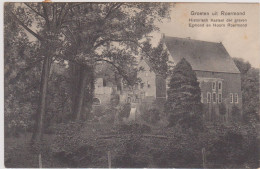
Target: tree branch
{"points": [[38, 13], [120, 70], [67, 11], [46, 15], [121, 40], [114, 7], [26, 27]]}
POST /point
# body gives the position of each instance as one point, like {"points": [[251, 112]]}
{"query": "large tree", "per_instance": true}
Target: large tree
{"points": [[80, 33], [20, 85], [250, 89], [183, 103]]}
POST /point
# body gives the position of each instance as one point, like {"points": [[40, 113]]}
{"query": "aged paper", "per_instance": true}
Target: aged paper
{"points": [[131, 85]]}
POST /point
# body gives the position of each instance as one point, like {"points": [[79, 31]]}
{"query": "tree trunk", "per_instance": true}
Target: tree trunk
{"points": [[81, 92], [38, 130], [75, 73]]}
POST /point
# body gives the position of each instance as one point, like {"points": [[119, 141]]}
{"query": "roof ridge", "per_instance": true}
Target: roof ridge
{"points": [[202, 55], [188, 38]]}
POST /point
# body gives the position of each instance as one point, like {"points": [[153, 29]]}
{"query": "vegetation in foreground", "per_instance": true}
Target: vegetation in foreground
{"points": [[138, 145]]}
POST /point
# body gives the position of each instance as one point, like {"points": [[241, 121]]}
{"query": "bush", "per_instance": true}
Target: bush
{"points": [[115, 99], [124, 111], [133, 128], [235, 113], [150, 114], [232, 146], [98, 111]]}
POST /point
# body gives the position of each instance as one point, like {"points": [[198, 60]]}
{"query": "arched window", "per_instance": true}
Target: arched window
{"points": [[96, 101]]}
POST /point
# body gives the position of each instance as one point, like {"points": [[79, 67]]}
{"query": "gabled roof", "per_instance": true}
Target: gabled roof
{"points": [[202, 55]]}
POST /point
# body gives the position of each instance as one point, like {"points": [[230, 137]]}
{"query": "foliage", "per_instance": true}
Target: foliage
{"points": [[235, 113], [59, 101], [231, 145], [124, 111], [151, 115], [115, 99], [133, 128], [21, 71], [157, 58], [183, 102], [250, 89]]}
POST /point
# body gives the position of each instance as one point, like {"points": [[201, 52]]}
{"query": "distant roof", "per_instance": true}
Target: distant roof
{"points": [[202, 55]]}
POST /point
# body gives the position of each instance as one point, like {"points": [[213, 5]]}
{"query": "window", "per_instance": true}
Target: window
{"points": [[148, 84], [214, 97], [236, 98], [208, 97], [213, 85], [231, 97], [219, 85], [96, 101], [201, 98], [219, 97]]}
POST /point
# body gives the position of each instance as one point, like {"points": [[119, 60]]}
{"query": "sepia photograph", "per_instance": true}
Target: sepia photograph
{"points": [[131, 85]]}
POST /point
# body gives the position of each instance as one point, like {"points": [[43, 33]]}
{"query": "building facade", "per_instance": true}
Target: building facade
{"points": [[217, 74]]}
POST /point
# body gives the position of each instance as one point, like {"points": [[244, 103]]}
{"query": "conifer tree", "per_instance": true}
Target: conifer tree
{"points": [[183, 104]]}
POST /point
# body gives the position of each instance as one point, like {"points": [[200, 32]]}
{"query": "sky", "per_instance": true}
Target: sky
{"points": [[241, 42]]}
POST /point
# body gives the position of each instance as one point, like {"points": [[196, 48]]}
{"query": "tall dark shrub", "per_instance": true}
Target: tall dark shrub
{"points": [[183, 104]]}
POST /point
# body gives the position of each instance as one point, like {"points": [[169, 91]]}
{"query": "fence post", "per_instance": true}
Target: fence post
{"points": [[40, 161], [109, 159], [203, 157]]}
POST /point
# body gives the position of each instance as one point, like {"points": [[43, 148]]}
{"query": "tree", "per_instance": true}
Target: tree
{"points": [[250, 89], [79, 33], [183, 103], [112, 33], [21, 85]]}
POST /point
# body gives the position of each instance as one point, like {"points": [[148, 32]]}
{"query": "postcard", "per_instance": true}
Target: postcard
{"points": [[131, 85]]}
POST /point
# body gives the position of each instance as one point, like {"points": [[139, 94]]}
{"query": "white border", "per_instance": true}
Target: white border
{"points": [[2, 48]]}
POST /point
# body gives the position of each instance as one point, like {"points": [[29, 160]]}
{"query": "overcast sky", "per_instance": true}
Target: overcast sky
{"points": [[239, 42]]}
